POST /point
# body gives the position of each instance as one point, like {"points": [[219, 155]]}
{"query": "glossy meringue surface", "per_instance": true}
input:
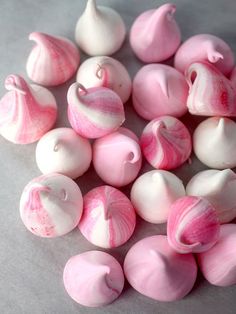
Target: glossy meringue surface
{"points": [[93, 278], [108, 218], [27, 112], [155, 35], [155, 270]]}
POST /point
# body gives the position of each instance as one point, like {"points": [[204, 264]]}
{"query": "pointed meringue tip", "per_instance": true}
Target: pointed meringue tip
{"points": [[12, 83], [168, 10], [159, 178], [159, 257], [91, 6], [215, 56], [38, 37], [223, 176], [221, 125], [157, 126], [163, 82]]}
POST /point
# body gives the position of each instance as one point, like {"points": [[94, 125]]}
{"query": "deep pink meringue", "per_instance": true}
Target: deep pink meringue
{"points": [[193, 225], [205, 47], [117, 157], [155, 270], [166, 143], [155, 35], [210, 93], [27, 112], [94, 112], [158, 90]]}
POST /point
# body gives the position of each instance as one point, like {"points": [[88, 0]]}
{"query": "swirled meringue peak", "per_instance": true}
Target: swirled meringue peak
{"points": [[108, 217], [100, 30], [159, 90], [107, 72], [51, 205], [166, 143], [117, 157], [93, 278], [27, 112], [53, 60], [155, 270], [205, 47], [210, 93], [193, 225], [155, 35], [218, 264], [94, 112], [214, 142], [153, 193]]}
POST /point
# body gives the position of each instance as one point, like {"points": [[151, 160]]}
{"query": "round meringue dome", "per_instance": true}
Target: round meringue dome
{"points": [[214, 142], [153, 193], [93, 278], [100, 30], [108, 218], [107, 72], [155, 270], [51, 205]]}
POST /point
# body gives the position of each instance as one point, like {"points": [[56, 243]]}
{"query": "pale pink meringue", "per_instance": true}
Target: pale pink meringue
{"points": [[155, 35], [155, 270], [64, 151], [93, 278], [117, 157], [108, 217], [53, 60], [166, 143], [218, 264], [51, 205], [205, 47], [193, 225], [233, 78], [210, 93], [27, 112], [94, 112], [158, 90]]}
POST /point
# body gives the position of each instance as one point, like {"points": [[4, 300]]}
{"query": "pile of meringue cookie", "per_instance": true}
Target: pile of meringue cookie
{"points": [[202, 82]]}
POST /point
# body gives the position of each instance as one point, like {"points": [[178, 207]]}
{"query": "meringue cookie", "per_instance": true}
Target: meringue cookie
{"points": [[63, 151], [193, 225], [100, 30], [166, 143], [107, 72], [159, 89], [210, 93], [214, 142], [218, 264], [27, 112], [117, 157], [155, 35], [53, 60], [205, 47], [93, 278], [155, 270], [153, 193], [108, 217], [94, 112], [51, 205]]}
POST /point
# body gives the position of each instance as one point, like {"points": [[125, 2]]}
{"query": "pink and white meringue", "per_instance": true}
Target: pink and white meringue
{"points": [[210, 93], [27, 112], [214, 142], [218, 264], [100, 30], [93, 278], [53, 60], [158, 90], [117, 157], [51, 205], [94, 112], [193, 225], [63, 151], [153, 193], [108, 218], [166, 143], [107, 72], [155, 270], [219, 188], [155, 35], [205, 47]]}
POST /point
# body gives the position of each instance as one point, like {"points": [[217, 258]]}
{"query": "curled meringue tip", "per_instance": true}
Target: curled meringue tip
{"points": [[135, 154], [38, 37], [215, 56], [157, 127], [169, 9], [15, 83]]}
